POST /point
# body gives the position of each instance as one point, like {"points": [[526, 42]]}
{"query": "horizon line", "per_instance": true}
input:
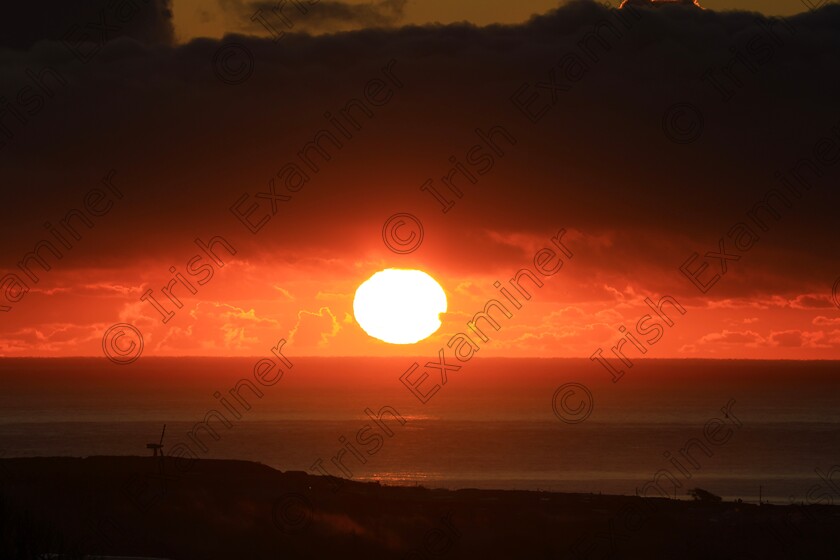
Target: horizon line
{"points": [[425, 356]]}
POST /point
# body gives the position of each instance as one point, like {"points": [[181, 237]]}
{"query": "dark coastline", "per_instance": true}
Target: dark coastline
{"points": [[208, 509]]}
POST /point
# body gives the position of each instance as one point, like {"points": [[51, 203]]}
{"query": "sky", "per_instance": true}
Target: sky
{"points": [[197, 18], [644, 149]]}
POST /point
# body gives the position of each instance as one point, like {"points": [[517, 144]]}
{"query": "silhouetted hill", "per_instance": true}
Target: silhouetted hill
{"points": [[235, 509]]}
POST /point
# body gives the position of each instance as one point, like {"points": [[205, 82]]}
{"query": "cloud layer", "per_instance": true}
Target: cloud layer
{"points": [[648, 134], [26, 23], [314, 17]]}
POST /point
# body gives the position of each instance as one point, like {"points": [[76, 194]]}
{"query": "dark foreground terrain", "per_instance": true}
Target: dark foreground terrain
{"points": [[132, 506]]}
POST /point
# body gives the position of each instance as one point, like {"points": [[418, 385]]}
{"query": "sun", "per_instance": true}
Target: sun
{"points": [[399, 306]]}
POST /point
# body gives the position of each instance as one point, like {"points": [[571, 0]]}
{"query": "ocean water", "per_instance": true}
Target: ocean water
{"points": [[491, 425]]}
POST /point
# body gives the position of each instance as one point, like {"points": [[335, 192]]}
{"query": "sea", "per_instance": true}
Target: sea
{"points": [[750, 430]]}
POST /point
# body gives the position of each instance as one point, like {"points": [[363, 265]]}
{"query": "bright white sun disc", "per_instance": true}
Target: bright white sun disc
{"points": [[399, 306]]}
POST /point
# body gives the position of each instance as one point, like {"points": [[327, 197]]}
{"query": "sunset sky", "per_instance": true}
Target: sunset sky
{"points": [[151, 134], [197, 18]]}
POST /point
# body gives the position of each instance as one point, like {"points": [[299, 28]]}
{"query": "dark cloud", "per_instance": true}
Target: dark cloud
{"points": [[315, 16], [186, 145], [25, 23], [658, 3]]}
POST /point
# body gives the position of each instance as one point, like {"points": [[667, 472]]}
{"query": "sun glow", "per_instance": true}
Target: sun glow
{"points": [[399, 306]]}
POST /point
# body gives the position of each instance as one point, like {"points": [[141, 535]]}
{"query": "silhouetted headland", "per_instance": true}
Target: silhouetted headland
{"points": [[209, 509]]}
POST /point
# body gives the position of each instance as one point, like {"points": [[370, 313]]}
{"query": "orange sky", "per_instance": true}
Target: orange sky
{"points": [[198, 18], [250, 304], [186, 147]]}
